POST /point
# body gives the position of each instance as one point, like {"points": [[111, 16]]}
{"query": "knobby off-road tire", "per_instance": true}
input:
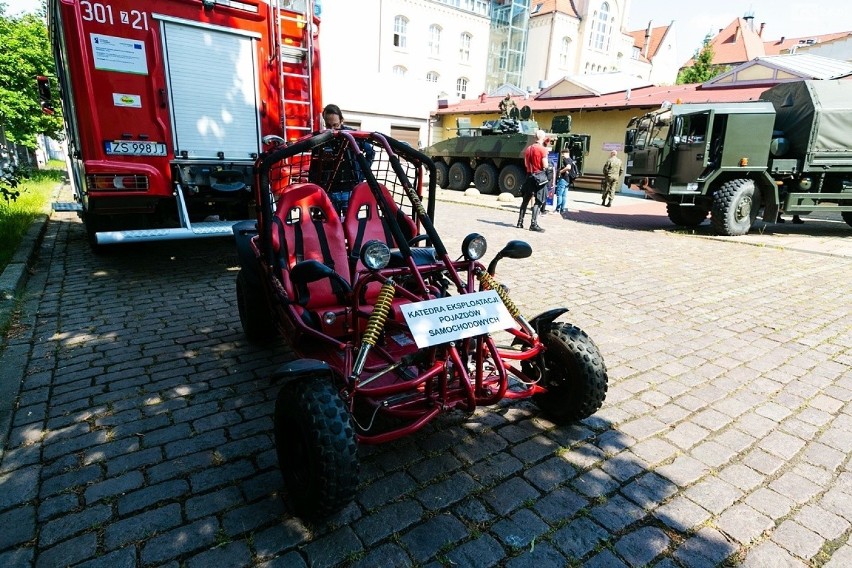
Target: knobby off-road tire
{"points": [[735, 207], [485, 178], [255, 316], [686, 216], [575, 375], [847, 216], [317, 451], [460, 176], [442, 175]]}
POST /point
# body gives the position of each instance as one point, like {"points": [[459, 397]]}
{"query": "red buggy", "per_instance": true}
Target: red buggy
{"points": [[344, 263]]}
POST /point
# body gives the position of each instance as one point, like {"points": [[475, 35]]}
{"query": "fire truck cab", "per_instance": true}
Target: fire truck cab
{"points": [[168, 103]]}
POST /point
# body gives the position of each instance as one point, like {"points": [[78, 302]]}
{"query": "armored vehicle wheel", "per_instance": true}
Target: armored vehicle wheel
{"points": [[575, 375], [735, 207], [691, 216], [485, 178], [442, 176], [316, 447], [255, 316], [847, 216], [460, 176], [511, 179]]}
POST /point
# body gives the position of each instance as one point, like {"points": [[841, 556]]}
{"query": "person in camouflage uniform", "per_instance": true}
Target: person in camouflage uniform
{"points": [[613, 172]]}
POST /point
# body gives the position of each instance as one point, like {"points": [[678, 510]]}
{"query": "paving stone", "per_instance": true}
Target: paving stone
{"points": [[520, 530], [826, 524], [649, 490], [549, 474], [332, 549], [431, 468], [769, 503], [495, 468], [510, 495], [393, 518], [69, 552], [385, 556], [182, 540], [743, 523], [134, 460], [283, 536], [234, 554], [68, 525], [426, 540], [17, 557], [386, 489], [799, 540], [579, 537], [643, 545], [479, 447], [447, 492], [706, 547], [122, 558], [604, 559], [212, 503], [714, 494], [19, 486], [57, 505], [142, 526], [113, 486], [151, 495], [770, 554], [542, 555], [681, 514], [252, 516], [18, 526], [535, 449], [482, 552], [224, 474]]}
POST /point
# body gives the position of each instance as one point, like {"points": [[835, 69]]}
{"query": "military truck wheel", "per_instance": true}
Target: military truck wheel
{"points": [[460, 176], [316, 447], [575, 375], [255, 316], [511, 179], [735, 207], [442, 177], [847, 216], [686, 216], [485, 178]]}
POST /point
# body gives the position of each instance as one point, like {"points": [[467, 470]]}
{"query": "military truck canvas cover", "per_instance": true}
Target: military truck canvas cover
{"points": [[816, 118]]}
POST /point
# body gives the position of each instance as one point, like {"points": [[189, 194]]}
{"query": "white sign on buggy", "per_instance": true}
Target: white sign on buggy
{"points": [[447, 319]]}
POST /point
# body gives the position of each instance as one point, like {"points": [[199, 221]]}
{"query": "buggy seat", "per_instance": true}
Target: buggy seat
{"points": [[306, 227]]}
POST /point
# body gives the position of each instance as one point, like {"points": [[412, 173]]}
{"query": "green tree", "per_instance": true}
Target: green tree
{"points": [[702, 68], [26, 53]]}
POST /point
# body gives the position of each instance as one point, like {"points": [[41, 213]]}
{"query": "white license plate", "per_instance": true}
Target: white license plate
{"points": [[135, 148]]}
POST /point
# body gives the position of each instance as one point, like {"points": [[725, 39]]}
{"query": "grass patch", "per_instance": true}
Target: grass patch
{"points": [[17, 215]]}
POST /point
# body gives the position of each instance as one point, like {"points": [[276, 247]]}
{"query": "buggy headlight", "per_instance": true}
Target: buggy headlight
{"points": [[375, 255], [474, 246]]}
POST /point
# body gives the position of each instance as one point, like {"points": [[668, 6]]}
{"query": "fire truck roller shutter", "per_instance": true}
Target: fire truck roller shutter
{"points": [[212, 76]]}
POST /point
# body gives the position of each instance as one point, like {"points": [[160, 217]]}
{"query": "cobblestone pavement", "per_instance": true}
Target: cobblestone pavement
{"points": [[142, 433]]}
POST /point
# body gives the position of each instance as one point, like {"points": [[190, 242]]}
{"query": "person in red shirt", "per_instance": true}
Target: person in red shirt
{"points": [[535, 161]]}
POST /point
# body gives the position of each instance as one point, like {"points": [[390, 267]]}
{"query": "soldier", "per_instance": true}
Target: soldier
{"points": [[613, 172], [506, 106]]}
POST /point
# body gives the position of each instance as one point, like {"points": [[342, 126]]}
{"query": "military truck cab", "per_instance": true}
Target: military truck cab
{"points": [[791, 151]]}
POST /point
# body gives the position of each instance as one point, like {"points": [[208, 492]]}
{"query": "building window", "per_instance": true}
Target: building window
{"points": [[399, 71], [503, 58], [400, 31], [432, 77], [434, 40], [464, 47], [600, 29], [565, 52], [461, 88]]}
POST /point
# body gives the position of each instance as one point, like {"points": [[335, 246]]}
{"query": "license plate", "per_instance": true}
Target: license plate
{"points": [[135, 148]]}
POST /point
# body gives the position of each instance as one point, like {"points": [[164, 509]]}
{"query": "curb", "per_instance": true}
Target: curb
{"points": [[15, 275]]}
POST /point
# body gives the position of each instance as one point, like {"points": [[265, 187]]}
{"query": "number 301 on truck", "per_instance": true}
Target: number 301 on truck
{"points": [[167, 103]]}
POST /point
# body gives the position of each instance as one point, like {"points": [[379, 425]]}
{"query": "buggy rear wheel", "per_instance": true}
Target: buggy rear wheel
{"points": [[316, 446], [574, 375], [255, 316]]}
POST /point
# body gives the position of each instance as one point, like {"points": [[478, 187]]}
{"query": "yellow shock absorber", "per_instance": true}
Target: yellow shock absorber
{"points": [[487, 282], [375, 325]]}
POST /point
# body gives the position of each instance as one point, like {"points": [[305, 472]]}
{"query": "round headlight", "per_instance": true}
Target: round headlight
{"points": [[375, 255], [805, 183], [474, 246]]}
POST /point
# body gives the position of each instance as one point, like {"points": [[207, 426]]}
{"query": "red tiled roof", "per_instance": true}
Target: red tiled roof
{"points": [[737, 43], [657, 35], [646, 97], [780, 46]]}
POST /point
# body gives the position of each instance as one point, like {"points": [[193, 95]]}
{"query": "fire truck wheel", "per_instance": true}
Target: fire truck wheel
{"points": [[575, 374], [847, 216], [460, 176], [317, 451], [735, 207], [255, 315], [485, 178], [442, 175], [686, 216]]}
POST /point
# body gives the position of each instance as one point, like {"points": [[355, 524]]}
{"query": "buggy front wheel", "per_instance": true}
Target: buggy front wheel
{"points": [[574, 375], [317, 451]]}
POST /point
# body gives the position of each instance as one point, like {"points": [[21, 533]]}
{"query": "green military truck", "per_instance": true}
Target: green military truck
{"points": [[791, 151], [492, 156]]}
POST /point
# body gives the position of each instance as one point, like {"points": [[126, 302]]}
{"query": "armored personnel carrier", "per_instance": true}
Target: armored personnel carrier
{"points": [[492, 156]]}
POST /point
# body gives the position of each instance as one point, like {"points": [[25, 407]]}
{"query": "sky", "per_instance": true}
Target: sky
{"points": [[694, 20]]}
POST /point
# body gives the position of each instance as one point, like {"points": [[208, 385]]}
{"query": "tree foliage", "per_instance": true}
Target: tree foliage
{"points": [[702, 68], [26, 53]]}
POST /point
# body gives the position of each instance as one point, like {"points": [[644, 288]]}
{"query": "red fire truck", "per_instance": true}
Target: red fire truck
{"points": [[167, 104]]}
